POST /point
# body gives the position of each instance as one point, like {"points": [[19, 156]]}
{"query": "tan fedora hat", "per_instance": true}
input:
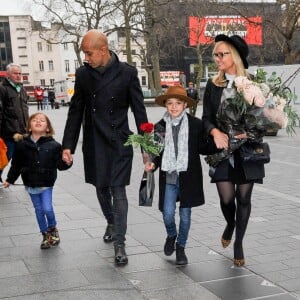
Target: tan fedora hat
{"points": [[178, 92]]}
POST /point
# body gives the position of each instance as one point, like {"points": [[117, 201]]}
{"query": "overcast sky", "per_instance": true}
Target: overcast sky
{"points": [[24, 7], [15, 7]]}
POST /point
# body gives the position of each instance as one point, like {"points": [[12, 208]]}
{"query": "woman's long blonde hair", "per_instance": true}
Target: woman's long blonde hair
{"points": [[219, 79]]}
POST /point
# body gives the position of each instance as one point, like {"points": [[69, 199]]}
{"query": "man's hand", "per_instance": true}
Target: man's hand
{"points": [[67, 157]]}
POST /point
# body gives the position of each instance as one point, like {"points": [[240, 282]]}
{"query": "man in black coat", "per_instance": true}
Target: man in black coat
{"points": [[105, 89], [13, 108]]}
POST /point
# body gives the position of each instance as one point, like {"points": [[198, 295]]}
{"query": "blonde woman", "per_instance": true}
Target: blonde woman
{"points": [[234, 179]]}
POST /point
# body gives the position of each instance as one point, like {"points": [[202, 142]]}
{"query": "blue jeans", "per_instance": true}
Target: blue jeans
{"points": [[43, 209], [114, 205], [171, 193]]}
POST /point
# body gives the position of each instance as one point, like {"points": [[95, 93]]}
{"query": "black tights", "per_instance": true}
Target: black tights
{"points": [[236, 214]]}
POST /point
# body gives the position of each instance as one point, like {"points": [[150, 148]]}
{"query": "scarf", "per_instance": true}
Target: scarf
{"points": [[16, 86], [169, 161]]}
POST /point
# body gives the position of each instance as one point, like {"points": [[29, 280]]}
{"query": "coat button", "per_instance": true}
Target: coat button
{"points": [[112, 98], [113, 125], [94, 109], [94, 95], [111, 112]]}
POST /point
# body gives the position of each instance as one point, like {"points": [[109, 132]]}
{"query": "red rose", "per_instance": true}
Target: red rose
{"points": [[147, 127]]}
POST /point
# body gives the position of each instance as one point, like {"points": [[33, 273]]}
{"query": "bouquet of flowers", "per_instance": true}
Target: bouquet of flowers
{"points": [[257, 106], [260, 104], [151, 142]]}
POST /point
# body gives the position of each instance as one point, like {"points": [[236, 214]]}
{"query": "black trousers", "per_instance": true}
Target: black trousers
{"points": [[114, 204]]}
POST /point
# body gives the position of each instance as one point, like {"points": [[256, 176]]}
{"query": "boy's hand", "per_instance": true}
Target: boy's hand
{"points": [[149, 166]]}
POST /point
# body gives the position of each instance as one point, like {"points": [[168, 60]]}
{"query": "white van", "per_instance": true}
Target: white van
{"points": [[64, 90]]}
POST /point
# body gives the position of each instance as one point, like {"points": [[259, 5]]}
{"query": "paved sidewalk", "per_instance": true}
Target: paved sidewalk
{"points": [[81, 267]]}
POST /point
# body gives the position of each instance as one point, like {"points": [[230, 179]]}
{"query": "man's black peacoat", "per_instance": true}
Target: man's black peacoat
{"points": [[100, 104]]}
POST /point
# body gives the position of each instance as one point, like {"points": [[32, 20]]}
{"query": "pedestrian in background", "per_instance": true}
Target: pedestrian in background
{"points": [[51, 97], [180, 175], [45, 99], [105, 89], [192, 93], [36, 158], [13, 108], [234, 179], [39, 96]]}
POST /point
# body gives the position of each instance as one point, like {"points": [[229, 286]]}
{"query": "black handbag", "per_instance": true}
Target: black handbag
{"points": [[255, 152], [146, 192]]}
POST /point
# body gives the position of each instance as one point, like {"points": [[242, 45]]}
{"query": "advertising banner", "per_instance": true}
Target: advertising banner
{"points": [[203, 30]]}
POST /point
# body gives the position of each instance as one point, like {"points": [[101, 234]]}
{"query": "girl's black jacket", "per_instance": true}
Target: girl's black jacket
{"points": [[37, 163]]}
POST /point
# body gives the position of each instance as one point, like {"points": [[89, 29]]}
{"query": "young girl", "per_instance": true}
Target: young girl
{"points": [[180, 175], [36, 158]]}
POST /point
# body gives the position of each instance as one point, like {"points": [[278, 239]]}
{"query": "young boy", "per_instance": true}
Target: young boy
{"points": [[180, 175]]}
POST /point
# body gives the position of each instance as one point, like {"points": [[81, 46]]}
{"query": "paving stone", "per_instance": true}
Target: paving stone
{"points": [[242, 287], [213, 270], [190, 292], [12, 268], [30, 284]]}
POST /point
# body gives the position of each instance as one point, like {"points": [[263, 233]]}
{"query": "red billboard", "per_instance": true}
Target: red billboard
{"points": [[203, 30]]}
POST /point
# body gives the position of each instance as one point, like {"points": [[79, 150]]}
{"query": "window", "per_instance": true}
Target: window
{"points": [[133, 63], [41, 65], [142, 64], [76, 64], [49, 47], [144, 81], [22, 47], [52, 82], [20, 29], [50, 64], [24, 65], [43, 82], [39, 47], [133, 51], [65, 46], [21, 38], [67, 66], [23, 56]]}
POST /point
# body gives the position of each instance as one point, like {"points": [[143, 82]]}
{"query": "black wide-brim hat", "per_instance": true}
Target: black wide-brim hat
{"points": [[238, 43], [178, 92]]}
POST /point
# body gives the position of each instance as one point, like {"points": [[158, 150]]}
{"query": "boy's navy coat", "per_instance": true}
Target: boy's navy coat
{"points": [[190, 181]]}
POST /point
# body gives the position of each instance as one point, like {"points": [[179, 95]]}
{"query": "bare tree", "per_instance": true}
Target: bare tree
{"points": [[281, 25], [72, 18]]}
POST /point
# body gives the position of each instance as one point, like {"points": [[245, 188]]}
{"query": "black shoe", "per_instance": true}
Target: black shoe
{"points": [[120, 255], [181, 258], [169, 245], [108, 235]]}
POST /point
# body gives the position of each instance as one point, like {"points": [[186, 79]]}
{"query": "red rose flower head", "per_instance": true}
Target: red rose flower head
{"points": [[147, 127]]}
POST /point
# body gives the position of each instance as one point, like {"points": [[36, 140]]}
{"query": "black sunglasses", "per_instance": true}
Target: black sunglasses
{"points": [[220, 54]]}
